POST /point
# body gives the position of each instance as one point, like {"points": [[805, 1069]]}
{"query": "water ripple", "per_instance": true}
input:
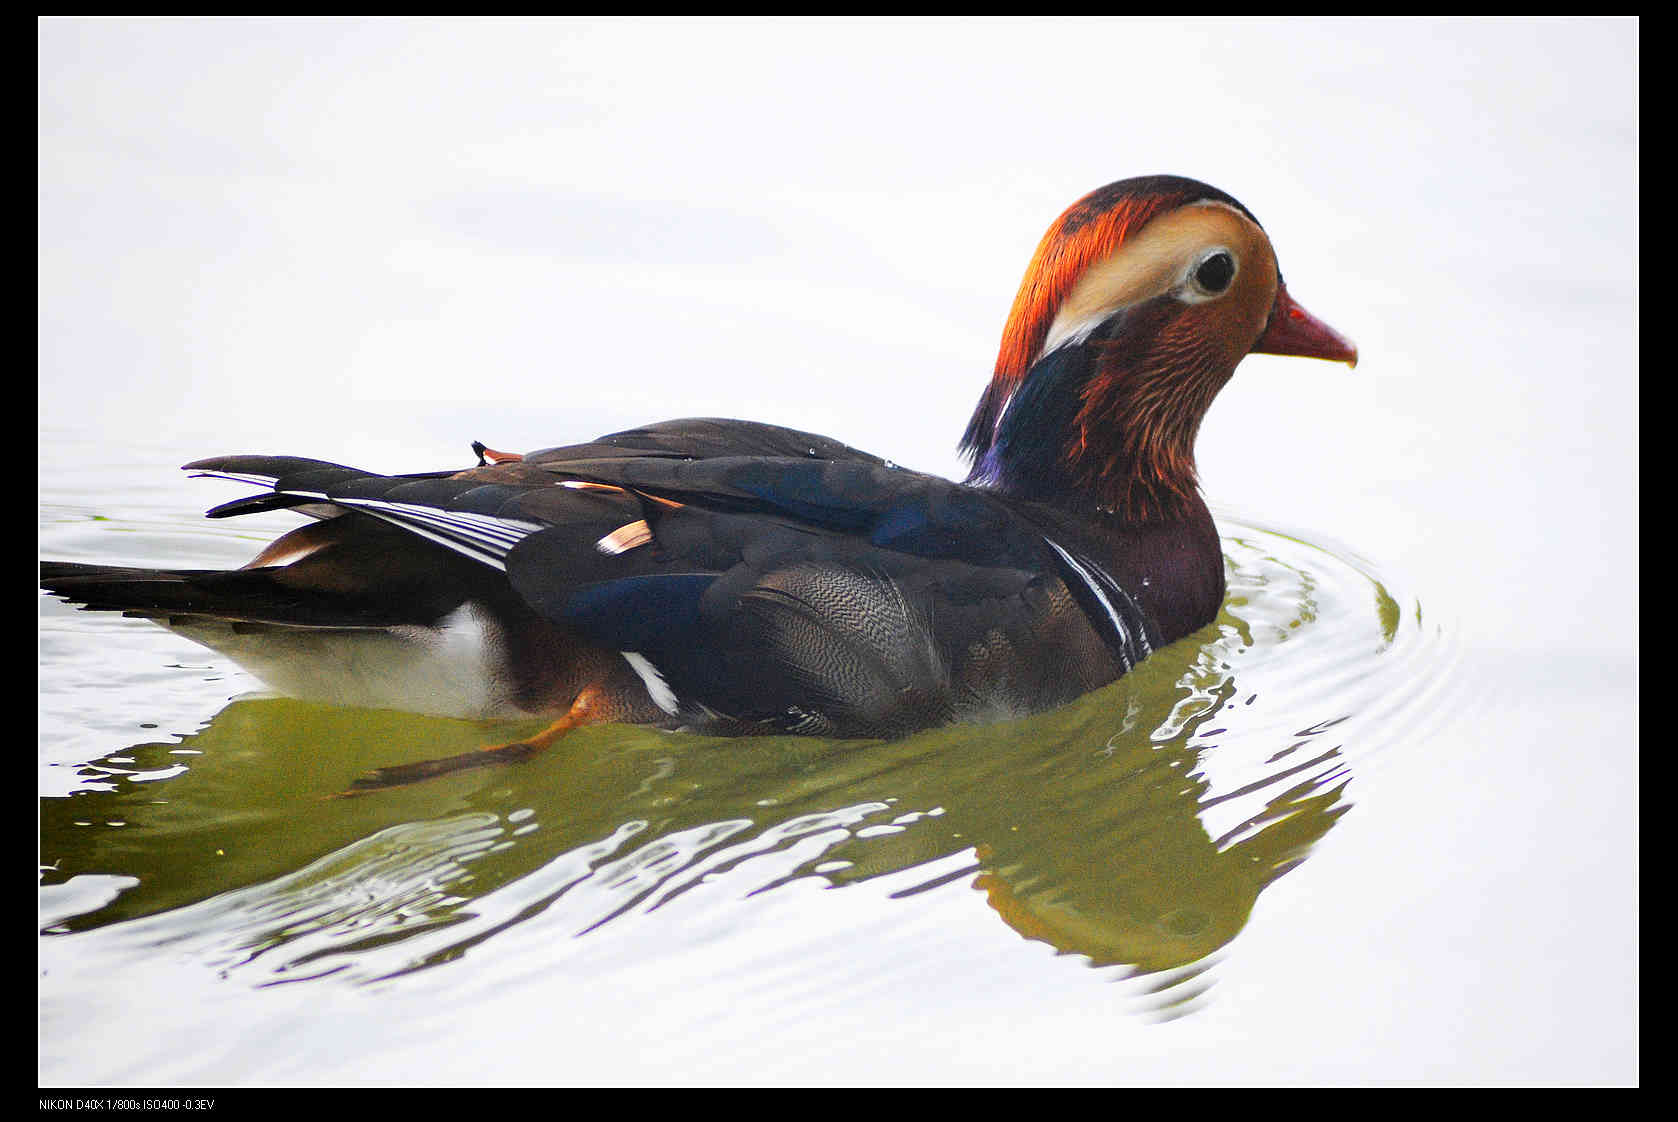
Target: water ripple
{"points": [[1134, 829]]}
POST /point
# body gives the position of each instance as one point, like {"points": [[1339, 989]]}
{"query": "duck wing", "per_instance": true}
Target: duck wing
{"points": [[823, 590], [841, 596]]}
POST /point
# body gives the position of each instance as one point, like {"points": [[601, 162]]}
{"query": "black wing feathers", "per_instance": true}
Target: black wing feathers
{"points": [[358, 573], [704, 438], [769, 575]]}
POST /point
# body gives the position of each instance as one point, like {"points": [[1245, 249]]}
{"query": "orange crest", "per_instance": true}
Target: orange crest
{"points": [[1089, 231]]}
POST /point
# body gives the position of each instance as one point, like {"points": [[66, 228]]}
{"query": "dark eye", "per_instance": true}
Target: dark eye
{"points": [[1213, 275]]}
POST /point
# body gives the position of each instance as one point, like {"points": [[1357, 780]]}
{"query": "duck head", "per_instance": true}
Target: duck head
{"points": [[1137, 306]]}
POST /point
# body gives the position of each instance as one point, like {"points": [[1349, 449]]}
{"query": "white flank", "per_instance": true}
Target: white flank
{"points": [[455, 669]]}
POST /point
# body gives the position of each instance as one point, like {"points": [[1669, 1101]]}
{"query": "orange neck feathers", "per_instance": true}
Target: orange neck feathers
{"points": [[1089, 231], [1111, 420]]}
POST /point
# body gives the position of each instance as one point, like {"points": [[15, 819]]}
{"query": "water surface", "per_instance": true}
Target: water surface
{"points": [[189, 825]]}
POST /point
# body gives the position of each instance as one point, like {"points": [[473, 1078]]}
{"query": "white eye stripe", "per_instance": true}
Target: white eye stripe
{"points": [[1153, 262], [1189, 289]]}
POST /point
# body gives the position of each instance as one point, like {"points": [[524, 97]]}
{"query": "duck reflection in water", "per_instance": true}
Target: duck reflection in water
{"points": [[1088, 828]]}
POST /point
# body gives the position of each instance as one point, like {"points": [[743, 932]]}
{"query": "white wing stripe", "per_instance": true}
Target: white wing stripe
{"points": [[237, 477], [483, 527], [494, 559], [482, 537]]}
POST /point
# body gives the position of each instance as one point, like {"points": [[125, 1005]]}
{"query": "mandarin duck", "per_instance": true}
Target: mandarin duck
{"points": [[744, 578]]}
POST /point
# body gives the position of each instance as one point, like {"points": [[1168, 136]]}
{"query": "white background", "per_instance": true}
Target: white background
{"points": [[375, 241]]}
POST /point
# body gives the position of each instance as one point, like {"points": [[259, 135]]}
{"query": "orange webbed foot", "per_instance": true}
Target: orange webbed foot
{"points": [[400, 775]]}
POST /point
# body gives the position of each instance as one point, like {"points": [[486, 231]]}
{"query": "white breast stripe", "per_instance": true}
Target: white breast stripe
{"points": [[1095, 587]]}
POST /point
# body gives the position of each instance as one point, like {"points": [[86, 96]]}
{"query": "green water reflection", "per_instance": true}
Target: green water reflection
{"points": [[1086, 828]]}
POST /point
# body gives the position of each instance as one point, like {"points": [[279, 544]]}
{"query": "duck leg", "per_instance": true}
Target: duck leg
{"points": [[586, 709]]}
